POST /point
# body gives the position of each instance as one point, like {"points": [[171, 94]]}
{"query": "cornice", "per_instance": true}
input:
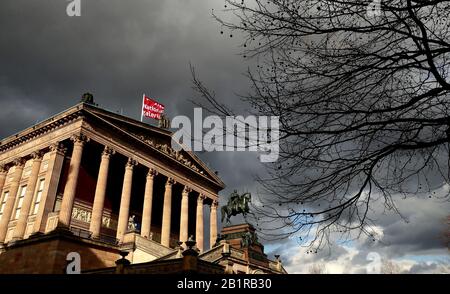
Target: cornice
{"points": [[38, 130]]}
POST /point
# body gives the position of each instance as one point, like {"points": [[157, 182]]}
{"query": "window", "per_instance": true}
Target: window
{"points": [[3, 203], [23, 190], [37, 200]]}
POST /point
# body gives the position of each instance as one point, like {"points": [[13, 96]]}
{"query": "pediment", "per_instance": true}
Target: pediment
{"points": [[156, 138]]}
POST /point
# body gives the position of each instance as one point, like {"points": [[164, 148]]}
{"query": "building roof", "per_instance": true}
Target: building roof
{"points": [[138, 131]]}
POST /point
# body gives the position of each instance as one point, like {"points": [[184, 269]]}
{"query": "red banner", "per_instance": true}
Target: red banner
{"points": [[151, 108]]}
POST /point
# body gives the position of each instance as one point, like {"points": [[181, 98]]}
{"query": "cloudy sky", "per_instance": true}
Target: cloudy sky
{"points": [[119, 49]]}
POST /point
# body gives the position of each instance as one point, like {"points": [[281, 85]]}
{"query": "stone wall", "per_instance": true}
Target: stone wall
{"points": [[47, 255]]}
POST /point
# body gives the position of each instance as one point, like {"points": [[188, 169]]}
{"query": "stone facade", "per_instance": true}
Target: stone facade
{"points": [[99, 175], [94, 182]]}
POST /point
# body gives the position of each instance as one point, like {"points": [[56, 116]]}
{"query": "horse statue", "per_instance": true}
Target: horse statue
{"points": [[237, 204]]}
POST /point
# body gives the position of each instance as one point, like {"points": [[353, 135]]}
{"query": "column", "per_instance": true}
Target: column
{"points": [[184, 222], [199, 223], [21, 225], [70, 189], [124, 211], [3, 174], [213, 224], [100, 193], [55, 163], [167, 213], [19, 163], [148, 199]]}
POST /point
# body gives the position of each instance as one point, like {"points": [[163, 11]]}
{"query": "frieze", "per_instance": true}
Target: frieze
{"points": [[109, 223], [166, 149], [81, 215], [84, 215]]}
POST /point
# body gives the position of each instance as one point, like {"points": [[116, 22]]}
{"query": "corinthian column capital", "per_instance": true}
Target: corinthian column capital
{"points": [[201, 198], [79, 139], [37, 155], [58, 147], [108, 151], [3, 168], [187, 190], [20, 162], [131, 163], [170, 182], [151, 173]]}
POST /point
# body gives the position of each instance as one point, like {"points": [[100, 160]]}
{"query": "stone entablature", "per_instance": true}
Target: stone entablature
{"points": [[40, 129]]}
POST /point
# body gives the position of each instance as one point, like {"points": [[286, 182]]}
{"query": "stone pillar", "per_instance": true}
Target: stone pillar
{"points": [[184, 222], [9, 206], [28, 198], [70, 189], [148, 199], [124, 211], [3, 174], [100, 193], [213, 224], [167, 213], [55, 163], [199, 223]]}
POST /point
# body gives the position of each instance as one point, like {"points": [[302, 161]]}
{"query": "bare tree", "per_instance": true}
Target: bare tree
{"points": [[362, 97]]}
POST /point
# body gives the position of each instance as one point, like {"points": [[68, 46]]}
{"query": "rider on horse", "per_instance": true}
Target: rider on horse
{"points": [[237, 204]]}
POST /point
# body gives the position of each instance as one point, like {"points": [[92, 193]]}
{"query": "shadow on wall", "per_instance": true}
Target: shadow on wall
{"points": [[46, 254]]}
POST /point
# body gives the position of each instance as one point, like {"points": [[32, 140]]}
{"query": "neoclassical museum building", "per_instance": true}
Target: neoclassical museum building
{"points": [[94, 182]]}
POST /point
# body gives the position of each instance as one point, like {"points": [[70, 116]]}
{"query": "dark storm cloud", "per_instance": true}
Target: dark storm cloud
{"points": [[419, 234], [117, 50], [120, 49], [421, 231]]}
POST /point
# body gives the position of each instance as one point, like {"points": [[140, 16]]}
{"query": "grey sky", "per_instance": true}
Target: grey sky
{"points": [[118, 50]]}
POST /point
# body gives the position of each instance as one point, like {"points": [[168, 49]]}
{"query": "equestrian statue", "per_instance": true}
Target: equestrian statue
{"points": [[237, 204]]}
